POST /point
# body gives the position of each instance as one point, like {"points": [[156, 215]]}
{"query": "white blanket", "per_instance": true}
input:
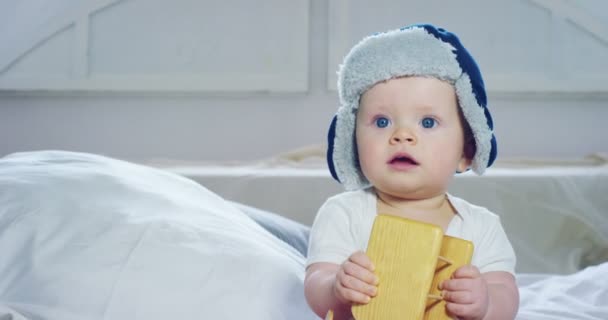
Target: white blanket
{"points": [[87, 237], [582, 295]]}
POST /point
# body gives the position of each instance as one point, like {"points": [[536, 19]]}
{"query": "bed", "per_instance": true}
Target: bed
{"points": [[84, 236]]}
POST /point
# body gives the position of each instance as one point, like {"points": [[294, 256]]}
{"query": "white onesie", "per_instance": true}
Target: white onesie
{"points": [[344, 223]]}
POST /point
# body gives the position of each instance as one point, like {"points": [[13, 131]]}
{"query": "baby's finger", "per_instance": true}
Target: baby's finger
{"points": [[460, 297], [467, 271], [458, 310], [456, 285], [359, 272], [362, 259], [350, 289], [355, 296], [357, 284]]}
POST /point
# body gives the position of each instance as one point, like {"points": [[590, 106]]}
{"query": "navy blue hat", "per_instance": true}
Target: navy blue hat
{"points": [[416, 50]]}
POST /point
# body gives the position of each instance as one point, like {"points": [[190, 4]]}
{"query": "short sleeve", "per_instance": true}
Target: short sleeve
{"points": [[493, 250], [331, 238]]}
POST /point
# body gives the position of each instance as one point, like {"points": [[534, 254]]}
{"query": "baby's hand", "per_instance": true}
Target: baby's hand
{"points": [[356, 281], [466, 294]]}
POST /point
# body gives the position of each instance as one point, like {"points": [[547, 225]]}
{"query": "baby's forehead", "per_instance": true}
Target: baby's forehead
{"points": [[422, 91], [409, 80]]}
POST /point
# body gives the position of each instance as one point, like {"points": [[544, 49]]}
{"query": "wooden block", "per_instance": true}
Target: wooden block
{"points": [[405, 254], [459, 252]]}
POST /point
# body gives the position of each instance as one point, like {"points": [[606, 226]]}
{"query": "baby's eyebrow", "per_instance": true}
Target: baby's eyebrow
{"points": [[375, 109], [382, 109], [425, 107]]}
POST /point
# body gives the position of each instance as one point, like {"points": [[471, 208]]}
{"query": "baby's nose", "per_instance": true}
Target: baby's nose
{"points": [[403, 136]]}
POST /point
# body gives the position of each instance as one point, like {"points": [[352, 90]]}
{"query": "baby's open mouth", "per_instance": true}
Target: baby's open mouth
{"points": [[403, 159]]}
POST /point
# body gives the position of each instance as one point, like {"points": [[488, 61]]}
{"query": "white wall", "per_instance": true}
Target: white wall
{"points": [[544, 64]]}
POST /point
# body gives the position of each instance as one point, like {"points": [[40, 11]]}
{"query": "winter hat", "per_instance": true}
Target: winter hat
{"points": [[416, 50]]}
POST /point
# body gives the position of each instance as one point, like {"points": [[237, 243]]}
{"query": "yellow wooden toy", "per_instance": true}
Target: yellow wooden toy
{"points": [[411, 259]]}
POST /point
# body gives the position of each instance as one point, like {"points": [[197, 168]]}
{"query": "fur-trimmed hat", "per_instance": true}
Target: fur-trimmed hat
{"points": [[416, 50]]}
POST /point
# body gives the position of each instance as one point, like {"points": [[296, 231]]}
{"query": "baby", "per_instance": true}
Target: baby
{"points": [[413, 113]]}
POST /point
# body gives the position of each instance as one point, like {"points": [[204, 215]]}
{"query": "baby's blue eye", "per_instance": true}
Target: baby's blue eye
{"points": [[428, 123], [382, 122]]}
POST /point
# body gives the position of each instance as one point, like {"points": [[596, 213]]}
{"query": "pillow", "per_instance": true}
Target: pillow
{"points": [[89, 237], [291, 232]]}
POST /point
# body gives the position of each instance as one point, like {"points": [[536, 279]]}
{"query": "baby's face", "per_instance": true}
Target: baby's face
{"points": [[409, 136]]}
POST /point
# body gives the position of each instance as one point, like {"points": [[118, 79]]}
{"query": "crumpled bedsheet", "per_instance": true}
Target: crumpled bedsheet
{"points": [[581, 296]]}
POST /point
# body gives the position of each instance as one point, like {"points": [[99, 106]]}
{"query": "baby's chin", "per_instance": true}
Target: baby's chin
{"points": [[408, 192]]}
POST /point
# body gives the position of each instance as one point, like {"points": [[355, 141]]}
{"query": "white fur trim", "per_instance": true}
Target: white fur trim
{"points": [[474, 115], [345, 153]]}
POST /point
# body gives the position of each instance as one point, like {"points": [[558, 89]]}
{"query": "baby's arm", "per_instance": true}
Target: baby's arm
{"points": [[471, 295], [329, 286]]}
